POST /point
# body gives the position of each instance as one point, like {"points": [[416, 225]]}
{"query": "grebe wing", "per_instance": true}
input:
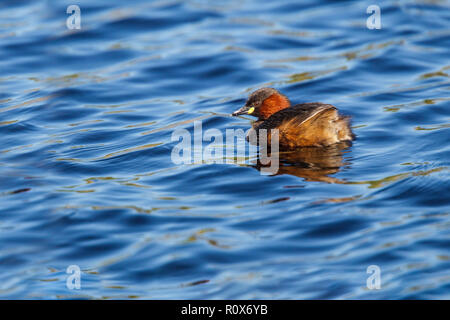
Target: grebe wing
{"points": [[293, 117]]}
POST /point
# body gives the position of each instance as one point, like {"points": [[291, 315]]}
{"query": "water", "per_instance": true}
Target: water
{"points": [[87, 178]]}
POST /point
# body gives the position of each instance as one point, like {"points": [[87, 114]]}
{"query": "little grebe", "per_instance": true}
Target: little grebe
{"points": [[301, 125]]}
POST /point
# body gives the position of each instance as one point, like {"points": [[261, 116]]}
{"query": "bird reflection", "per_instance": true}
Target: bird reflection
{"points": [[310, 163]]}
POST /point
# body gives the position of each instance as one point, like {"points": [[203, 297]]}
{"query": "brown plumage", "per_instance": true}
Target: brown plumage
{"points": [[301, 125]]}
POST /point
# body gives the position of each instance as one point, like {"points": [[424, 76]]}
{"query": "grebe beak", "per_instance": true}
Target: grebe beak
{"points": [[243, 110]]}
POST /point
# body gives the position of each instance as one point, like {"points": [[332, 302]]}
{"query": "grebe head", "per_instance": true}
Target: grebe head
{"points": [[263, 102]]}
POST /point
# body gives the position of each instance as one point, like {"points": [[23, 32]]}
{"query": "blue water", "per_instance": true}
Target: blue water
{"points": [[87, 177]]}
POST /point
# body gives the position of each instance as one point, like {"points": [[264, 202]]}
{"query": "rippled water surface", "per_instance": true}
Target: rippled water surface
{"points": [[87, 178]]}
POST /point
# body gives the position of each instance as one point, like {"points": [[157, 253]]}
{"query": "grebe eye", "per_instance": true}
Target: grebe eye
{"points": [[250, 111]]}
